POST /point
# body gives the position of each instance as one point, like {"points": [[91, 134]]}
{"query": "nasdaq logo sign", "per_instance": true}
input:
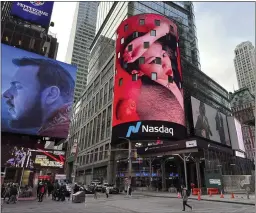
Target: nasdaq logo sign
{"points": [[133, 129], [149, 129]]}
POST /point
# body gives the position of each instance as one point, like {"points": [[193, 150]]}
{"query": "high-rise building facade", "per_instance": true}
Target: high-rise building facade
{"points": [[92, 115], [5, 9], [86, 16], [245, 66], [243, 108]]}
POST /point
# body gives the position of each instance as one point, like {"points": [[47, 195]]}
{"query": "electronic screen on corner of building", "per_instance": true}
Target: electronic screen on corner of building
{"points": [[148, 93]]}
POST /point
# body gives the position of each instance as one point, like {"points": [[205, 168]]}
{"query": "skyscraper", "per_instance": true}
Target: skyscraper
{"points": [[5, 9], [80, 41], [92, 114], [245, 67]]}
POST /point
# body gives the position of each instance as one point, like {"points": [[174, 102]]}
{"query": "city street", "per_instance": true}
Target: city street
{"points": [[123, 204]]}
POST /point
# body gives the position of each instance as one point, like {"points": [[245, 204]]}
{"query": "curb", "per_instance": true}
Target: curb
{"points": [[203, 199]]}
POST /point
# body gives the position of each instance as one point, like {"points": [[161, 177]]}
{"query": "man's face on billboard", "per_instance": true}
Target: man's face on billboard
{"points": [[23, 97]]}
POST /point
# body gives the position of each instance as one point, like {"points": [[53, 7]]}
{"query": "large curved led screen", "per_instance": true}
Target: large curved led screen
{"points": [[37, 93], [148, 92]]}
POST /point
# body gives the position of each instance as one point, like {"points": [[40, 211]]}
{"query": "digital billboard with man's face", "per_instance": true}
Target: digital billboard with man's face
{"points": [[37, 93], [209, 123], [148, 93]]}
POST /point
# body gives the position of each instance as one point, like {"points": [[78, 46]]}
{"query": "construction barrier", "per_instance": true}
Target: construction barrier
{"points": [[195, 191], [213, 191]]}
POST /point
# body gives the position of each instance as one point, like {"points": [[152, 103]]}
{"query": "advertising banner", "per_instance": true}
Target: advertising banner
{"points": [[213, 180], [148, 92], [30, 158], [37, 12], [236, 134], [37, 93], [209, 123]]}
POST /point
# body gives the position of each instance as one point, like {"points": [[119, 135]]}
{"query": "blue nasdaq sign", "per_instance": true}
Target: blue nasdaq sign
{"points": [[37, 12]]}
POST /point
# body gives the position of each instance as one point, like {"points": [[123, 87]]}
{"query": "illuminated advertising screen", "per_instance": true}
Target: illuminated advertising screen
{"points": [[236, 134], [37, 93], [209, 123], [37, 12], [148, 92], [31, 158]]}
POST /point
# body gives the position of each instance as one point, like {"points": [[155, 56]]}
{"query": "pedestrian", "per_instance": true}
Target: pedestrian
{"points": [[95, 192], [41, 193], [13, 194], [7, 192], [185, 195], [107, 191], [130, 190]]}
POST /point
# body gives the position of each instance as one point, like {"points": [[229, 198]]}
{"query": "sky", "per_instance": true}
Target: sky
{"points": [[221, 26]]}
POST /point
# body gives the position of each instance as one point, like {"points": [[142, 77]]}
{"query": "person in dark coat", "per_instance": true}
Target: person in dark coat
{"points": [[76, 188], [185, 199], [42, 191], [13, 194]]}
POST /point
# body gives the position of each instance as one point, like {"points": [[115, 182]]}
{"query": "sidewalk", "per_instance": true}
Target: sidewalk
{"points": [[239, 198]]}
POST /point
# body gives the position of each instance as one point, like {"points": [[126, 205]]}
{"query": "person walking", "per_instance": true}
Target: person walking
{"points": [[130, 190], [107, 191], [41, 193], [185, 198], [95, 192]]}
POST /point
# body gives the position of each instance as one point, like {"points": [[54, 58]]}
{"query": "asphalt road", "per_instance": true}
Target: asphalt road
{"points": [[123, 204]]}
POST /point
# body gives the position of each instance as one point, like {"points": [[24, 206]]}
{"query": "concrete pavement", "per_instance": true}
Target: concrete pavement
{"points": [[239, 198], [123, 204]]}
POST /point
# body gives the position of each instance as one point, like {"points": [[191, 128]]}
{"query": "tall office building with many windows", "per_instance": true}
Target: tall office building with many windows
{"points": [[5, 9], [245, 66], [80, 41], [92, 115]]}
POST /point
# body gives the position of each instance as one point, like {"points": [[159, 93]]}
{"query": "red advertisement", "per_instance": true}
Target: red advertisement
{"points": [[148, 77]]}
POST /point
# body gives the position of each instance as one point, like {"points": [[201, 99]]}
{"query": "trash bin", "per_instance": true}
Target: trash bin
{"points": [[78, 197]]}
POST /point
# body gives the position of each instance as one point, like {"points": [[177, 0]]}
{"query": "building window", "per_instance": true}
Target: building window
{"points": [[106, 151], [122, 40], [154, 76], [134, 77], [135, 35], [101, 153], [142, 60], [142, 21], [125, 27], [120, 82], [146, 44], [96, 155], [158, 60], [170, 79], [130, 47], [157, 22], [153, 33]]}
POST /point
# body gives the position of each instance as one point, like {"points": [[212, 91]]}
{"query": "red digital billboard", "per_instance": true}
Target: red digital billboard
{"points": [[148, 91]]}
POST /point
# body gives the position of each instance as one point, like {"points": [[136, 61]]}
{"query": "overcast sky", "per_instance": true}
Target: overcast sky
{"points": [[220, 27]]}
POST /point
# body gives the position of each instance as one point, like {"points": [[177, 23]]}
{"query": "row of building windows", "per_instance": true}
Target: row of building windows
{"points": [[93, 156]]}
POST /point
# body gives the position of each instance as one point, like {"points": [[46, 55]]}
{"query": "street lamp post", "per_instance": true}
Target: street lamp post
{"points": [[129, 156], [184, 158]]}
